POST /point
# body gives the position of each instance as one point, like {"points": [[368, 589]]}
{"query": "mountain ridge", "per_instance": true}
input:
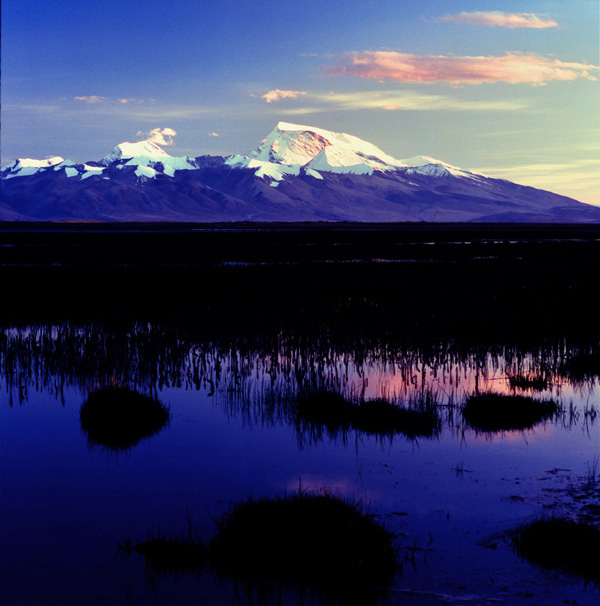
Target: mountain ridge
{"points": [[297, 173]]}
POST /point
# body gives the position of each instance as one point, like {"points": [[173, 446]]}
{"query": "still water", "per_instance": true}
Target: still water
{"points": [[67, 504]]}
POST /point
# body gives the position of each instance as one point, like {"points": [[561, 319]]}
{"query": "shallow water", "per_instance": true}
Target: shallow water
{"points": [[66, 505]]}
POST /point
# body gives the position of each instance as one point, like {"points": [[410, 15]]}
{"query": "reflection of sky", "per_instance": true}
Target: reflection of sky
{"points": [[444, 495], [65, 506]]}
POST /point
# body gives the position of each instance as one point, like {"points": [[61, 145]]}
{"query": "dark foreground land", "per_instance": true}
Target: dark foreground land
{"points": [[422, 279]]}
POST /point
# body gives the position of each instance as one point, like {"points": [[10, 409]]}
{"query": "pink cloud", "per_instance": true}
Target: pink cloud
{"points": [[276, 95], [513, 68], [500, 19]]}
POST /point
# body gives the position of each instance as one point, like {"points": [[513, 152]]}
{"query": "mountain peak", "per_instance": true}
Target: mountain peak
{"points": [[296, 144], [145, 149]]}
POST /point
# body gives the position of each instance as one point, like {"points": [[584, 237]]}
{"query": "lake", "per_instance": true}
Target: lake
{"points": [[230, 341]]}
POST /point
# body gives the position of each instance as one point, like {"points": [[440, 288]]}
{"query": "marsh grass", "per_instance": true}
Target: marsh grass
{"points": [[315, 544], [334, 412], [116, 418], [308, 540], [490, 412], [593, 477], [326, 408], [581, 367], [525, 382], [562, 544]]}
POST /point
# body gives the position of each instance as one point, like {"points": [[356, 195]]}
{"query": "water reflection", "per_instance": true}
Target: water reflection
{"points": [[454, 485], [115, 418], [261, 378]]}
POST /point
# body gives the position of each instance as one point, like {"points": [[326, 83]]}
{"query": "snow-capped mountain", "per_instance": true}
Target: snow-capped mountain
{"points": [[316, 149], [297, 173]]}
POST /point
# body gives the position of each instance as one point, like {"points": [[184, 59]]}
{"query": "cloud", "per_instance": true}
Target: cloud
{"points": [[90, 99], [578, 178], [399, 101], [499, 19], [276, 95], [512, 68], [213, 135], [159, 136]]}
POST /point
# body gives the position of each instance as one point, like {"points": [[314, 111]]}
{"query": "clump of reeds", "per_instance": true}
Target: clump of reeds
{"points": [[382, 417], [581, 367], [562, 544], [314, 543], [535, 382], [497, 412], [325, 408], [304, 539], [334, 412], [117, 418]]}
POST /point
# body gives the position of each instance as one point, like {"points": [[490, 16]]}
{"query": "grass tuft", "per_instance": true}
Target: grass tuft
{"points": [[117, 418], [561, 544], [304, 539], [491, 412], [325, 408], [332, 411]]}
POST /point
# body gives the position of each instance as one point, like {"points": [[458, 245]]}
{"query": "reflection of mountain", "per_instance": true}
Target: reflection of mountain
{"points": [[298, 173]]}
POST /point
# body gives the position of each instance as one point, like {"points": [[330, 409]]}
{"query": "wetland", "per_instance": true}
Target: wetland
{"points": [[187, 412]]}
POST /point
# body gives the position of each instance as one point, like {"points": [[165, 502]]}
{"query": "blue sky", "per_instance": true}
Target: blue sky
{"points": [[506, 88]]}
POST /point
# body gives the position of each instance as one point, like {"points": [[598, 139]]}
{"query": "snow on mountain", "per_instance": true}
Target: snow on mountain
{"points": [[426, 165], [317, 149], [23, 167], [148, 158], [147, 155], [331, 160], [288, 150], [143, 149]]}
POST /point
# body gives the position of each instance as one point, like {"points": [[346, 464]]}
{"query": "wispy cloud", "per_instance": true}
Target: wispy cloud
{"points": [[512, 68], [398, 101], [90, 99], [276, 95], [500, 19], [578, 178]]}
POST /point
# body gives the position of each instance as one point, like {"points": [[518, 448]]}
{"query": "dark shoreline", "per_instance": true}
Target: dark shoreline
{"points": [[525, 230], [482, 282]]}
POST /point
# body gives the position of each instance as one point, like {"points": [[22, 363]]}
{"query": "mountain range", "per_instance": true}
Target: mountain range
{"points": [[297, 173]]}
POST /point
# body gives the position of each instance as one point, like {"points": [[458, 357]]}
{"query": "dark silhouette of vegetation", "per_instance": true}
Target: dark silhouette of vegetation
{"points": [[312, 541], [535, 382], [562, 544], [117, 418], [581, 367], [333, 412], [498, 412], [325, 408]]}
